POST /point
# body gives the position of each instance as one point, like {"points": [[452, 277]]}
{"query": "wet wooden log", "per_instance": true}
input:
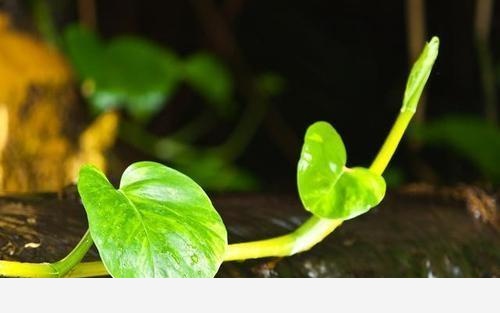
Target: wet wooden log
{"points": [[411, 234]]}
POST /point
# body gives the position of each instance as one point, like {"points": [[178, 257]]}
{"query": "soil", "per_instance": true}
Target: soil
{"points": [[417, 231]]}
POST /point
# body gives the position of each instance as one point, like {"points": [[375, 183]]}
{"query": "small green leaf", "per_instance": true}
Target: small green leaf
{"points": [[327, 188], [419, 74], [159, 223], [210, 78]]}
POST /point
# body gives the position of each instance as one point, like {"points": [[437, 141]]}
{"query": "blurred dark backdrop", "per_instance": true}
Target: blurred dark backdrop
{"points": [[345, 62], [342, 61]]}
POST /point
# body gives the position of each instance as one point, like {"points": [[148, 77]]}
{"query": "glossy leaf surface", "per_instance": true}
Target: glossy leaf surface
{"points": [[159, 223], [327, 188]]}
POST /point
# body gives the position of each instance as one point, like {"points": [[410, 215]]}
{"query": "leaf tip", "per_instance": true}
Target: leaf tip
{"points": [[89, 169], [419, 75], [434, 42]]}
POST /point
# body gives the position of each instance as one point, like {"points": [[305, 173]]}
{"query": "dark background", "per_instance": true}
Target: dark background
{"points": [[345, 62]]}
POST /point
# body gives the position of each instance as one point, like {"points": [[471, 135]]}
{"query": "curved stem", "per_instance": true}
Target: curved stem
{"points": [[391, 142], [57, 269], [20, 269], [75, 256], [315, 229], [303, 238], [88, 269]]}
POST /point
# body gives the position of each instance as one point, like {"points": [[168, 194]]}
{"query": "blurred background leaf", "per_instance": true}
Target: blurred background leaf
{"points": [[271, 83], [206, 75], [127, 72], [469, 137]]}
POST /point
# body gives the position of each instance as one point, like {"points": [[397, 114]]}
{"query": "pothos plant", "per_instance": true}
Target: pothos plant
{"points": [[160, 223]]}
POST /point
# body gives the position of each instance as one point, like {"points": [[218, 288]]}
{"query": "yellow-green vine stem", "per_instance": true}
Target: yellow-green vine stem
{"points": [[57, 269], [391, 142], [88, 269], [315, 229], [302, 239]]}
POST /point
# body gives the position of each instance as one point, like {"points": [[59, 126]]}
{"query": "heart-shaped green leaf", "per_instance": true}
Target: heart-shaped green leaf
{"points": [[327, 188], [159, 223]]}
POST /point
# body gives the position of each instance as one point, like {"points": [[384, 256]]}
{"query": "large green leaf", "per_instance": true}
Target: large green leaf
{"points": [[159, 223], [326, 187]]}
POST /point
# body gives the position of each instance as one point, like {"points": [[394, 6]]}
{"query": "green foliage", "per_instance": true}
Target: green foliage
{"points": [[211, 79], [84, 50], [159, 223], [139, 76], [469, 137], [127, 72], [419, 74], [326, 187]]}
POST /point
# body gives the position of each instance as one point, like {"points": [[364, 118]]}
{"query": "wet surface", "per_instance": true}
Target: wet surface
{"points": [[42, 228], [409, 235]]}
